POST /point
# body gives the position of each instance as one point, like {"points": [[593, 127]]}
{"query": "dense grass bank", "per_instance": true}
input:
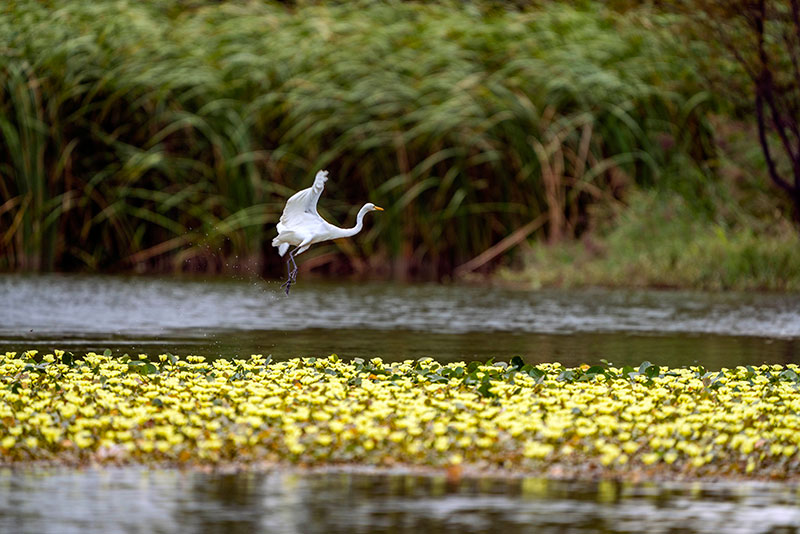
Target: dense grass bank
{"points": [[662, 241], [687, 231], [139, 135], [654, 421]]}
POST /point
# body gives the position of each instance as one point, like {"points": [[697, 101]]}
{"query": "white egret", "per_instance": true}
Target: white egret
{"points": [[301, 226]]}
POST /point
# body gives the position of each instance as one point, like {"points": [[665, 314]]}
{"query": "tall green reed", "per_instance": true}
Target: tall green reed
{"points": [[158, 137]]}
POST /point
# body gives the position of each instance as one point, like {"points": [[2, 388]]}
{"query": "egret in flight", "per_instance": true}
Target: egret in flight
{"points": [[301, 226]]}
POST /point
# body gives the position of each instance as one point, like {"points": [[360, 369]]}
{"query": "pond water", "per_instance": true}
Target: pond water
{"points": [[241, 317], [135, 500]]}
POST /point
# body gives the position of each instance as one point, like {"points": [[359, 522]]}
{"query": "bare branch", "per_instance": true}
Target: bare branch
{"points": [[793, 52], [762, 137], [763, 38]]}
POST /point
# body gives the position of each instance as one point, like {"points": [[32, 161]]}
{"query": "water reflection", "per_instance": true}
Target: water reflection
{"points": [[137, 500]]}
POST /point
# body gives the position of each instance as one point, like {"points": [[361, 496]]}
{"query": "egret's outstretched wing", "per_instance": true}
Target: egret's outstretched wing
{"points": [[303, 205]]}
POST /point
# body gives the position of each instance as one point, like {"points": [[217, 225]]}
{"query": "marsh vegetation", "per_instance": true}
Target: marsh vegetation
{"points": [[145, 136]]}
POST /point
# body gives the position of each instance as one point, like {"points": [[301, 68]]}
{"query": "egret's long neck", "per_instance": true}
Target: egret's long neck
{"points": [[347, 232]]}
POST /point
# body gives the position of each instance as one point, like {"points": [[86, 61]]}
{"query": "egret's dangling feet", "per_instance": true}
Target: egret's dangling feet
{"points": [[291, 268], [286, 286]]}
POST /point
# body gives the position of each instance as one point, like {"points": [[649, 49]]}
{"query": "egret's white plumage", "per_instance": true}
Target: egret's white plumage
{"points": [[301, 225]]}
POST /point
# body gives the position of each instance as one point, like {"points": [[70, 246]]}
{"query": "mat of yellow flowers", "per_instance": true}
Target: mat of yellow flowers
{"points": [[98, 408]]}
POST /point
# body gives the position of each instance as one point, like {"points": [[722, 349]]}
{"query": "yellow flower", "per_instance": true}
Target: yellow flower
{"points": [[649, 458], [336, 426], [698, 461], [83, 440], [484, 442], [283, 409], [535, 449], [324, 439]]}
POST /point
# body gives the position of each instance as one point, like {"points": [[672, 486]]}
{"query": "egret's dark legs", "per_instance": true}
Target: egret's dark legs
{"points": [[288, 283], [291, 268]]}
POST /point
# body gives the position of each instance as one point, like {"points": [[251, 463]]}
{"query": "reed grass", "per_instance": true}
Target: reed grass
{"points": [[144, 135]]}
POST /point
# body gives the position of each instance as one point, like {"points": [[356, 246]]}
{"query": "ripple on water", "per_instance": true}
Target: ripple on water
{"points": [[100, 304], [237, 318]]}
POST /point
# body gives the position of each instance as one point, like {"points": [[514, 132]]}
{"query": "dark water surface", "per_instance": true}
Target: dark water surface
{"points": [[236, 317], [133, 500], [239, 318]]}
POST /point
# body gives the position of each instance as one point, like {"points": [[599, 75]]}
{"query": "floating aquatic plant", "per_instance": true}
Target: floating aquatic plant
{"points": [[100, 408]]}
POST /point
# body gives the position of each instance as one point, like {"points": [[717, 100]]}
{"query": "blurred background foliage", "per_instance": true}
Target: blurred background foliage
{"points": [[165, 135]]}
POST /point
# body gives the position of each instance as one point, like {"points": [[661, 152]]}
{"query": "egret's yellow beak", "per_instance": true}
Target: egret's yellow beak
{"points": [[378, 208]]}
